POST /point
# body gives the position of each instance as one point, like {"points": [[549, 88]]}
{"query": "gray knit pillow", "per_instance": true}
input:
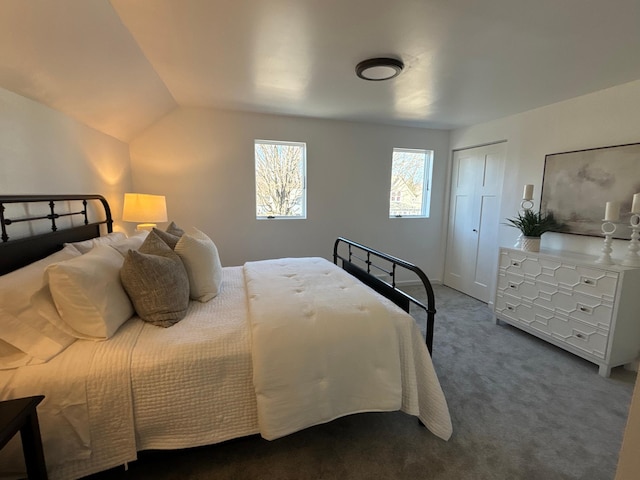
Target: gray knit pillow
{"points": [[155, 279], [174, 229], [168, 238]]}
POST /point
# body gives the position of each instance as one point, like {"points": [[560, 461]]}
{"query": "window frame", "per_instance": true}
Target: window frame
{"points": [[303, 205], [425, 209]]}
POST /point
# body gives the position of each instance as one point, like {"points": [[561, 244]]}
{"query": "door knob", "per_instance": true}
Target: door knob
{"points": [[475, 230]]}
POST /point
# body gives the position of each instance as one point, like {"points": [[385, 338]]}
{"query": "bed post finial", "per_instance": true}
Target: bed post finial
{"points": [[84, 206], [5, 237], [52, 217]]}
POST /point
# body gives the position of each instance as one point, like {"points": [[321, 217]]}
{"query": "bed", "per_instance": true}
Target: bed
{"points": [[229, 368]]}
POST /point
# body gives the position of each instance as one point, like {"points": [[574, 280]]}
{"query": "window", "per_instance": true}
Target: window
{"points": [[410, 190], [280, 179]]}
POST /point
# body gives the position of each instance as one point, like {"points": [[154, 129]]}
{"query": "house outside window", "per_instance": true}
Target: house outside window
{"points": [[280, 169], [410, 192]]}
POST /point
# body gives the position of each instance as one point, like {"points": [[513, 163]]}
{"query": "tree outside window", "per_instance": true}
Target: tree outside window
{"points": [[280, 179], [410, 183]]}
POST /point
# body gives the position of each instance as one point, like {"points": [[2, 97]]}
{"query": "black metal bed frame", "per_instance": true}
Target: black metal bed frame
{"points": [[364, 255], [17, 253], [22, 251]]}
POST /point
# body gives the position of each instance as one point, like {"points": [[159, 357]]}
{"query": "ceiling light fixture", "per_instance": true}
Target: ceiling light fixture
{"points": [[377, 69]]}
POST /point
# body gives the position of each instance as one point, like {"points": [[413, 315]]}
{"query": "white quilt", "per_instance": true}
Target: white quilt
{"points": [[86, 418]]}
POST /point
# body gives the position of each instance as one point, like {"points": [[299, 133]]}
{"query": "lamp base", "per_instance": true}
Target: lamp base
{"points": [[146, 226]]}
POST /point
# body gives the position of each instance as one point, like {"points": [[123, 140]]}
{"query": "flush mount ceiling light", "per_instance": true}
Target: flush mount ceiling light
{"points": [[376, 69]]}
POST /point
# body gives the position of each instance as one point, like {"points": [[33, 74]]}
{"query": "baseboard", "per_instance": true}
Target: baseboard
{"points": [[416, 283]]}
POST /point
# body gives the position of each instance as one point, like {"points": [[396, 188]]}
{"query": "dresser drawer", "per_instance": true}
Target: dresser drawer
{"points": [[556, 299], [523, 312], [519, 263], [517, 286], [580, 335], [590, 281], [587, 337]]}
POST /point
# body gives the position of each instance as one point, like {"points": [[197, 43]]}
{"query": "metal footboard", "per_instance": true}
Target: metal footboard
{"points": [[368, 265]]}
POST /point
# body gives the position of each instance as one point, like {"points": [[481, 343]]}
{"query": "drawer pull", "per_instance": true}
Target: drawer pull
{"points": [[585, 309], [515, 263], [510, 308], [588, 281], [581, 336], [513, 285]]}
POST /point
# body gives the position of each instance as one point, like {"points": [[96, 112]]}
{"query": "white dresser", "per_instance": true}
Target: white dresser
{"points": [[588, 309]]}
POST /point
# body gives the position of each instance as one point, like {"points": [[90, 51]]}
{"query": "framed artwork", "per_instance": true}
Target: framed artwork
{"points": [[577, 185]]}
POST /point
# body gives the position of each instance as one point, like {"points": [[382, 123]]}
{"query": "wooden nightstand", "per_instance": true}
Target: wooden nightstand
{"points": [[20, 416]]}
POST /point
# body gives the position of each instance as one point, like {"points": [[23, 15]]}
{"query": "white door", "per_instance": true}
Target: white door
{"points": [[474, 209]]}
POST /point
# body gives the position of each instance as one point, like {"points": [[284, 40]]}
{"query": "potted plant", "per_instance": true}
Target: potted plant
{"points": [[532, 225]]}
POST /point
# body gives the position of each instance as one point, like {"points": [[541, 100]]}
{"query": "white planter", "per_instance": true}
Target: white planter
{"points": [[530, 244]]}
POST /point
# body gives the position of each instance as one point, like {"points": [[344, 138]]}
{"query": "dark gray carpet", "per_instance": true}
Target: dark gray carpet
{"points": [[521, 409]]}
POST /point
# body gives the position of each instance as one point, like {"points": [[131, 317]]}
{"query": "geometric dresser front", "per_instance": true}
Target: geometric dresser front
{"points": [[588, 309]]}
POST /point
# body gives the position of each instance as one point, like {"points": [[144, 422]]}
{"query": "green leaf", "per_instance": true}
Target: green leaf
{"points": [[534, 224]]}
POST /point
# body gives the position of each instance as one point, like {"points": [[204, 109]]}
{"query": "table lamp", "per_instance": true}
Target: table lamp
{"points": [[144, 208]]}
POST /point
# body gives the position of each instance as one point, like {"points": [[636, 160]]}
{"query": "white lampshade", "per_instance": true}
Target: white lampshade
{"points": [[144, 208]]}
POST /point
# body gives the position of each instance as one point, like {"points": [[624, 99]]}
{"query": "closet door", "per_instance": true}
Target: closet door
{"points": [[474, 209]]}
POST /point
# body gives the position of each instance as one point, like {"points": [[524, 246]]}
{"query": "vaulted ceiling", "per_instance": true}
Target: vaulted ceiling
{"points": [[120, 65]]}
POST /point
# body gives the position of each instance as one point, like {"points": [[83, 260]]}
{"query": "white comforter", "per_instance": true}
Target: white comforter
{"points": [[329, 351], [184, 386]]}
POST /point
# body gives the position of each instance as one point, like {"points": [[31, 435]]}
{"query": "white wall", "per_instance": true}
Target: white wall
{"points": [[44, 151], [203, 160], [607, 117]]}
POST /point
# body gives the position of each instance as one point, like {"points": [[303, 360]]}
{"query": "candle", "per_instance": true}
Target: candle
{"points": [[612, 211], [635, 207], [528, 192]]}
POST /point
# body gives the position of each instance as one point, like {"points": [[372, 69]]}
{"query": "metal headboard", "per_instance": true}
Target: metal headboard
{"points": [[16, 253], [367, 256]]}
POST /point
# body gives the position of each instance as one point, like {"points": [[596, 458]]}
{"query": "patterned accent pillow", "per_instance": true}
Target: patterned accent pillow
{"points": [[155, 279], [174, 229], [168, 238]]}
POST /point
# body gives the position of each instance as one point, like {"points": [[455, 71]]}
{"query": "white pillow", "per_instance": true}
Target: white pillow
{"points": [[88, 293], [31, 332], [11, 357], [108, 239], [26, 334], [202, 262], [133, 242], [17, 287]]}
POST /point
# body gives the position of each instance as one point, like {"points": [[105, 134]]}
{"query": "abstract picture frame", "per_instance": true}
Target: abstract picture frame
{"points": [[577, 185]]}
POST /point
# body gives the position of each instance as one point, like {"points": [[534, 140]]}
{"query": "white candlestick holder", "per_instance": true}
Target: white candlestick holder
{"points": [[632, 259], [525, 205], [608, 229]]}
